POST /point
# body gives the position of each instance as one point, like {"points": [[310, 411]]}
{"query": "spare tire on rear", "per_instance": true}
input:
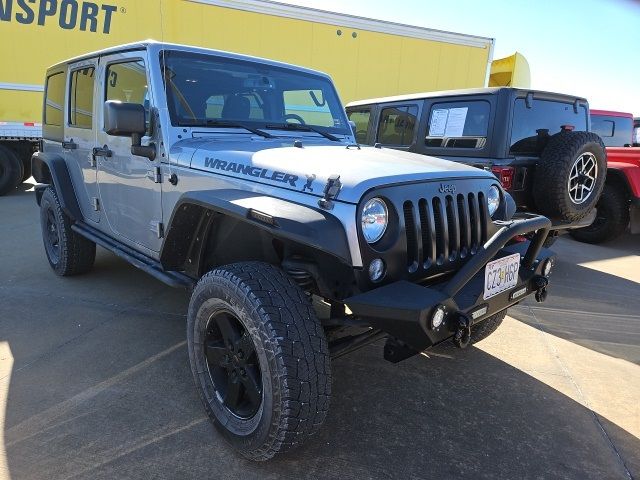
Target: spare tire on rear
{"points": [[570, 175]]}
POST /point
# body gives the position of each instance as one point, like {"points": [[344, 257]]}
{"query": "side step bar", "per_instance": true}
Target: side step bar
{"points": [[137, 259]]}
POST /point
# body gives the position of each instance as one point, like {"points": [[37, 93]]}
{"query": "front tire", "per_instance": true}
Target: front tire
{"points": [[611, 220], [482, 330], [68, 253], [259, 358]]}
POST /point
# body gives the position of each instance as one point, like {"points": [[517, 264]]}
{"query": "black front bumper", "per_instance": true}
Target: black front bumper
{"points": [[404, 309]]}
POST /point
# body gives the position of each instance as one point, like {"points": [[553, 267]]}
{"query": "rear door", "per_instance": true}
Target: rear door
{"points": [[130, 192], [80, 136]]}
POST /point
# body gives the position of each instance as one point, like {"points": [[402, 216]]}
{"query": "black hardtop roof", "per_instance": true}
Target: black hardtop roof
{"points": [[466, 92]]}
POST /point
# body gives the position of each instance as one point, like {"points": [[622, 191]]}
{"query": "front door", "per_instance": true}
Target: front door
{"points": [[130, 192]]}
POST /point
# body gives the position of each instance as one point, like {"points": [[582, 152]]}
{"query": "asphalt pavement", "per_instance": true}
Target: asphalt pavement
{"points": [[95, 382]]}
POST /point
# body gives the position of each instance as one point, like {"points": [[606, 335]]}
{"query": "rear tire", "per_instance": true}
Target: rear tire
{"points": [[611, 221], [570, 175], [259, 358], [68, 252], [11, 170]]}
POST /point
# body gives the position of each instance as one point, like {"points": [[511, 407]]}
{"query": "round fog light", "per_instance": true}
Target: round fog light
{"points": [[437, 319], [376, 269], [546, 267]]}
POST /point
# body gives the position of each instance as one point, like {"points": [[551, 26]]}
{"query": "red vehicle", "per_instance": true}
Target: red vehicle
{"points": [[619, 204]]}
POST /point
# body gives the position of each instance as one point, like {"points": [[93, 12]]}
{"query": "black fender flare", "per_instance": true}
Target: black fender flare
{"points": [[51, 169], [285, 220]]}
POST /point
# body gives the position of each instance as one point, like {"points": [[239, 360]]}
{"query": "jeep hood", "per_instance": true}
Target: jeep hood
{"points": [[307, 169]]}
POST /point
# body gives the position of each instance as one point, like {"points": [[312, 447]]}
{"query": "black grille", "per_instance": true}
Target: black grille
{"points": [[444, 229]]}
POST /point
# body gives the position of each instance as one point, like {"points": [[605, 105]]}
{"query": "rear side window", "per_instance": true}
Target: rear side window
{"points": [[458, 124], [361, 118], [81, 98], [532, 126], [54, 99], [614, 131], [397, 125]]}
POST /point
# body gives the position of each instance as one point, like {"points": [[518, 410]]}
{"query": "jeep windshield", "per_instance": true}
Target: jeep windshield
{"points": [[217, 92]]}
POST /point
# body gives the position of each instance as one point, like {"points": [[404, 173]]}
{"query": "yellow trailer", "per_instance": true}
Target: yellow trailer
{"points": [[366, 57]]}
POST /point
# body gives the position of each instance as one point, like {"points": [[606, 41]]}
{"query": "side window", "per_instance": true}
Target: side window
{"points": [[604, 128], [397, 125], [81, 98], [615, 131], [215, 104], [361, 118], [127, 82], [458, 124], [309, 105], [54, 99]]}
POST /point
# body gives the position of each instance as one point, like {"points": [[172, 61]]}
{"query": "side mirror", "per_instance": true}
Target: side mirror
{"points": [[128, 120], [124, 119]]}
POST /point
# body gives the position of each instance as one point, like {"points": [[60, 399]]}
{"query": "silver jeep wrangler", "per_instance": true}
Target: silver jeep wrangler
{"points": [[240, 179]]}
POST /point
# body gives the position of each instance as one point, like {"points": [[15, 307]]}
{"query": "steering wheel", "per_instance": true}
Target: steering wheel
{"points": [[294, 116]]}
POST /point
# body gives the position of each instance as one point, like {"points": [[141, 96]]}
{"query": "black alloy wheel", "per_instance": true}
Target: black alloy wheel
{"points": [[233, 365]]}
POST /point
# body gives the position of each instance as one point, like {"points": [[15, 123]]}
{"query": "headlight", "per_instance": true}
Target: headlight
{"points": [[493, 199], [375, 217]]}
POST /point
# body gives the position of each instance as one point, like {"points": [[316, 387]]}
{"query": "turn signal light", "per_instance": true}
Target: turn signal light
{"points": [[505, 175]]}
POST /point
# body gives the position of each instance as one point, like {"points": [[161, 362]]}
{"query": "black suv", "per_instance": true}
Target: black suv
{"points": [[537, 143]]}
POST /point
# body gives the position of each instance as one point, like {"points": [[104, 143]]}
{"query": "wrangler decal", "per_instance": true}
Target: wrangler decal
{"points": [[309, 184], [251, 171]]}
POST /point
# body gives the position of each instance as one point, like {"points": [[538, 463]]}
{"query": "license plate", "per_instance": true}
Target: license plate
{"points": [[501, 275]]}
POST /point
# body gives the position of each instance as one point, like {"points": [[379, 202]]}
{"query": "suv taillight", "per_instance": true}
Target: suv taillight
{"points": [[505, 175]]}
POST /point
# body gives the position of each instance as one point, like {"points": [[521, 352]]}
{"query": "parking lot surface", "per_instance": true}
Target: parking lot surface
{"points": [[95, 382]]}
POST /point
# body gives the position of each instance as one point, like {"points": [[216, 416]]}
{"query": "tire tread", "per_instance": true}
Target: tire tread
{"points": [[552, 199], [77, 254], [296, 340]]}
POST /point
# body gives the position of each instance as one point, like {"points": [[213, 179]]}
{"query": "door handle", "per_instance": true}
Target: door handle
{"points": [[102, 152], [70, 145]]}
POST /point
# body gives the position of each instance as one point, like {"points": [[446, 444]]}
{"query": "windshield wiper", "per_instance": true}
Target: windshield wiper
{"points": [[304, 128], [227, 124]]}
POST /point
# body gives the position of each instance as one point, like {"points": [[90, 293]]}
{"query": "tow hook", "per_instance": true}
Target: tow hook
{"points": [[540, 283], [462, 337]]}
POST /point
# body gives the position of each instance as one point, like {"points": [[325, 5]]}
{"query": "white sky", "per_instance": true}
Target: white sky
{"points": [[581, 47]]}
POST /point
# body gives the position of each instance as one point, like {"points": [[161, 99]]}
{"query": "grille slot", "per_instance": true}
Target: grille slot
{"points": [[412, 238], [444, 229]]}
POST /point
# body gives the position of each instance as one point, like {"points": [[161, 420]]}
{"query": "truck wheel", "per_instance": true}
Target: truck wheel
{"points": [[611, 221], [570, 175], [259, 358], [11, 170], [26, 169], [68, 253], [482, 330]]}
